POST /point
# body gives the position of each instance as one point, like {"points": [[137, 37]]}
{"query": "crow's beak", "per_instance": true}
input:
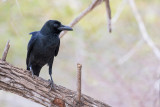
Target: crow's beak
{"points": [[63, 27]]}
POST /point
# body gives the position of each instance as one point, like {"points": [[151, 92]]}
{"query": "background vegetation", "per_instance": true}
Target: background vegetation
{"points": [[119, 69]]}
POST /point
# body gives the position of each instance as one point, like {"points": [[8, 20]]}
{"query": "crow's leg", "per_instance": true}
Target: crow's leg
{"points": [[52, 85], [31, 70]]}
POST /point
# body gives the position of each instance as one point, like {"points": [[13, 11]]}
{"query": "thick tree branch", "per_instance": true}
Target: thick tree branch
{"points": [[20, 81]]}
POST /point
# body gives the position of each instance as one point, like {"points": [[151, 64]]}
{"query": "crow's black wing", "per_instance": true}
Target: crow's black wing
{"points": [[57, 49], [30, 45]]}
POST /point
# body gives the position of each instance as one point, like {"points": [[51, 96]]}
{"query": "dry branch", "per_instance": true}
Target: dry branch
{"points": [[108, 10], [79, 67], [119, 10], [143, 30], [131, 52], [20, 81], [4, 56], [82, 14]]}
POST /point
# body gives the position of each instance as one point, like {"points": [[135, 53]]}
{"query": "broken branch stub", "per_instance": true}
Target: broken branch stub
{"points": [[4, 56], [79, 67]]}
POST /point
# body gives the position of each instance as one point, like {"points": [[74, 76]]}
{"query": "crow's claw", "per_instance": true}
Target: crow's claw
{"points": [[52, 85], [32, 72]]}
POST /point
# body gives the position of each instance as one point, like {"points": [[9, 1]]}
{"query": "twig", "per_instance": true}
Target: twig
{"points": [[81, 15], [119, 11], [143, 30], [79, 67], [6, 51], [131, 52], [108, 10]]}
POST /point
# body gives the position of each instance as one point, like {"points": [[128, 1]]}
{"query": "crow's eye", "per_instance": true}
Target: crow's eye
{"points": [[55, 25]]}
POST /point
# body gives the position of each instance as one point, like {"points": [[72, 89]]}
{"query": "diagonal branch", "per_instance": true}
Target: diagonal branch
{"points": [[81, 15], [131, 52], [119, 10]]}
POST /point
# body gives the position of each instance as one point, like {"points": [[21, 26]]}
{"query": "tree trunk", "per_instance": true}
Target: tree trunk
{"points": [[20, 81]]}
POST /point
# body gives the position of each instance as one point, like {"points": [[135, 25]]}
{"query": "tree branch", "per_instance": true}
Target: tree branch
{"points": [[131, 52], [119, 10], [108, 10], [20, 81], [82, 14], [143, 30]]}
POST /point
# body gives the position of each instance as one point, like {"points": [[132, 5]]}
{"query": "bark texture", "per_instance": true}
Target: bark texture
{"points": [[20, 81]]}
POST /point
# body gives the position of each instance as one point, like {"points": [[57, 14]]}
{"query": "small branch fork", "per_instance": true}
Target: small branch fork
{"points": [[89, 9], [143, 30]]}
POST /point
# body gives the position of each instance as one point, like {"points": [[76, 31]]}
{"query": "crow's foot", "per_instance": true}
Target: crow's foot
{"points": [[52, 85], [32, 72]]}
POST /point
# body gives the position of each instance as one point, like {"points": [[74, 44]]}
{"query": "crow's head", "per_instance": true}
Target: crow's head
{"points": [[54, 26]]}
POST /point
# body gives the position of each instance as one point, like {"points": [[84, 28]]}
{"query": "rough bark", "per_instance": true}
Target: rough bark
{"points": [[20, 81]]}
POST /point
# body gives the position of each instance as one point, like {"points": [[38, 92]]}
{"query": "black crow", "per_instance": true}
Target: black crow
{"points": [[44, 46]]}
